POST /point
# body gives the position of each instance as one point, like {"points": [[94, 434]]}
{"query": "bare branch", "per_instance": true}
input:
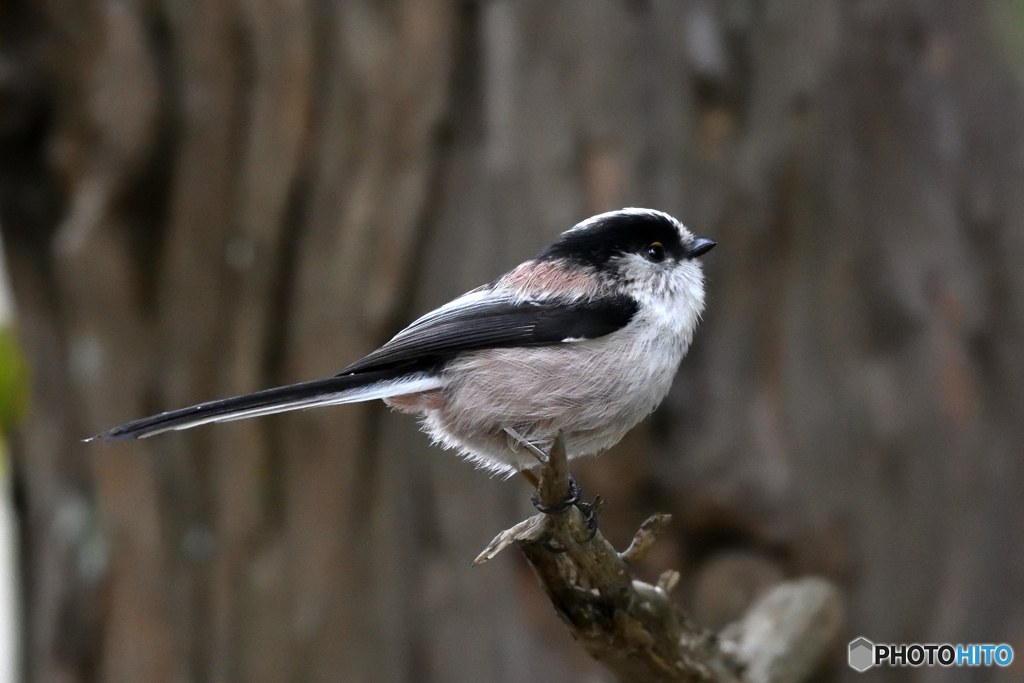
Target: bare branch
{"points": [[636, 630], [787, 633], [645, 538]]}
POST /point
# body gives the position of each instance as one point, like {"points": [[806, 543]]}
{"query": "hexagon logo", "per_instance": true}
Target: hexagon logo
{"points": [[862, 654]]}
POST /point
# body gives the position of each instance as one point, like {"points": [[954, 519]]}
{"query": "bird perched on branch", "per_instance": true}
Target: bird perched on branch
{"points": [[584, 339]]}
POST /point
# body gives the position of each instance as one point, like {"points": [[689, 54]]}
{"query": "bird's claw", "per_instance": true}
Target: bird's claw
{"points": [[588, 510], [571, 499]]}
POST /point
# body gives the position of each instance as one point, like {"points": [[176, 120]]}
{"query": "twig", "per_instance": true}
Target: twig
{"points": [[645, 538], [636, 630], [554, 480], [787, 633]]}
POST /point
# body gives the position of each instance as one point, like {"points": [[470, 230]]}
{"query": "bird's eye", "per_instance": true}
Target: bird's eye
{"points": [[656, 252]]}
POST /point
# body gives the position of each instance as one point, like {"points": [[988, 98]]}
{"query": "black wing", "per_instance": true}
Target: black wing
{"points": [[479, 320]]}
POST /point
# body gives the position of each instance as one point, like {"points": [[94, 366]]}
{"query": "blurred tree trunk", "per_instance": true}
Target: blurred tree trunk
{"points": [[206, 198]]}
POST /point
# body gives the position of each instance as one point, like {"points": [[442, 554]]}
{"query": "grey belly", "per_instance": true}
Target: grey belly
{"points": [[594, 397]]}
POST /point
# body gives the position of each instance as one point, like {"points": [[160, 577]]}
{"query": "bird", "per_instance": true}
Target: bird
{"points": [[582, 340]]}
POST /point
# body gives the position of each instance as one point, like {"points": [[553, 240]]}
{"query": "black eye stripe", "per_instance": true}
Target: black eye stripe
{"points": [[616, 235]]}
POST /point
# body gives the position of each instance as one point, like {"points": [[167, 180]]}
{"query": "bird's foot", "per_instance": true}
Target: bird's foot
{"points": [[573, 498], [516, 439], [588, 510]]}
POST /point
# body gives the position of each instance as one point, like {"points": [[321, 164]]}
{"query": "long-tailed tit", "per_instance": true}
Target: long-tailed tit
{"points": [[585, 338]]}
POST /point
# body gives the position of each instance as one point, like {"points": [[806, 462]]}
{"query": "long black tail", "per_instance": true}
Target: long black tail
{"points": [[330, 391]]}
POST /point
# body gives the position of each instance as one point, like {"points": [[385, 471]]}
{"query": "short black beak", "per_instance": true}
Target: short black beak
{"points": [[699, 246]]}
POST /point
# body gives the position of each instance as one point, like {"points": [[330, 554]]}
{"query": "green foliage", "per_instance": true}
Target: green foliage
{"points": [[14, 384]]}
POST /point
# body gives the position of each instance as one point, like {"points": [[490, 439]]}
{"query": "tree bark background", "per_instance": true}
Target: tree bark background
{"points": [[205, 198]]}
